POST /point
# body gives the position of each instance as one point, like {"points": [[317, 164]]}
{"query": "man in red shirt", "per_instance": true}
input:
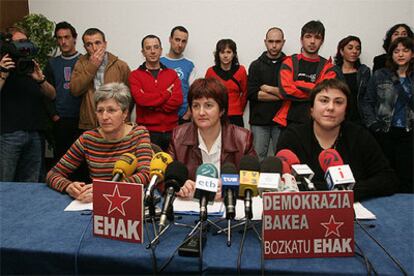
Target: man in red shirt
{"points": [[299, 73], [157, 92]]}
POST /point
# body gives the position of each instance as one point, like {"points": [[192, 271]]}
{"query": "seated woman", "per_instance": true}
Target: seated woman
{"points": [[102, 147], [329, 129], [209, 138]]}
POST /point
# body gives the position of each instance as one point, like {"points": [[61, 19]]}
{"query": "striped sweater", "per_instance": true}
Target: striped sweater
{"points": [[101, 155]]}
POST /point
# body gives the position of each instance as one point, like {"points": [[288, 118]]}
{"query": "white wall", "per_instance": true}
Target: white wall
{"points": [[125, 22]]}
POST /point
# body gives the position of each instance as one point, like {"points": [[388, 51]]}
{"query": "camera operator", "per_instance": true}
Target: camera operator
{"points": [[23, 117]]}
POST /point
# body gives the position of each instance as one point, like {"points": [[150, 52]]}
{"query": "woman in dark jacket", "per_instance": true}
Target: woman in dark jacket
{"points": [[388, 107], [209, 138], [356, 74]]}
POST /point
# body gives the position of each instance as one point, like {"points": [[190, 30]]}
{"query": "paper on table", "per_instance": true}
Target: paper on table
{"points": [[257, 204], [76, 205], [363, 213], [189, 206]]}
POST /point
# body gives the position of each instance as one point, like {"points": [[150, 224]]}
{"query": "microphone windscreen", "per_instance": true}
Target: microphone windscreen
{"points": [[328, 158], [207, 170], [288, 156], [271, 164], [286, 168], [126, 164], [249, 163], [175, 175], [229, 168], [159, 164]]}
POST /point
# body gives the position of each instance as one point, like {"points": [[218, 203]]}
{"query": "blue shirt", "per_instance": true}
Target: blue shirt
{"points": [[67, 105], [400, 110], [184, 68]]}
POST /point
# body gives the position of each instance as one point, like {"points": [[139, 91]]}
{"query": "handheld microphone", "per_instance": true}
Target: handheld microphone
{"points": [[249, 178], [124, 167], [337, 175], [206, 187], [269, 179], [302, 172], [175, 177], [289, 183], [230, 188], [158, 165]]}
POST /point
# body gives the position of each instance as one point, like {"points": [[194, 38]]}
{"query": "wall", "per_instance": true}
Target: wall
{"points": [[126, 22]]}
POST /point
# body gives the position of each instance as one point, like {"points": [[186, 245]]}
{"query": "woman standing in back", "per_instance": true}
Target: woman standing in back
{"points": [[356, 74], [233, 75]]}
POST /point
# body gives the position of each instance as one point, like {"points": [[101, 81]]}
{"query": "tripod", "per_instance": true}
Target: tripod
{"points": [[171, 218]]}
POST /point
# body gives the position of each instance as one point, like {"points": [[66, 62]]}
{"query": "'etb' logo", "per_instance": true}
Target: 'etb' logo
{"points": [[207, 183]]}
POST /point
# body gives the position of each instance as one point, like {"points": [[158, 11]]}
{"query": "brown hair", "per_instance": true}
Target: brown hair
{"points": [[209, 88], [332, 84]]}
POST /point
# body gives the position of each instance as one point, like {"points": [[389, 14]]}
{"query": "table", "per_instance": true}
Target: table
{"points": [[38, 237]]}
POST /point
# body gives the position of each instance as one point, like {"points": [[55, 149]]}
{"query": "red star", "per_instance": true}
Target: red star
{"points": [[332, 227], [116, 201]]}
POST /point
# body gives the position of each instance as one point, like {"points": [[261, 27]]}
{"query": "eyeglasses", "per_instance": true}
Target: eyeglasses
{"points": [[110, 111]]}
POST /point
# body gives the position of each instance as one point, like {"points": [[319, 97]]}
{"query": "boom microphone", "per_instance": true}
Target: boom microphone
{"points": [[206, 187], [175, 177], [249, 178], [124, 167]]}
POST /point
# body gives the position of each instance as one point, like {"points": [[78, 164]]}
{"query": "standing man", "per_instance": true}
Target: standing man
{"points": [[58, 72], [183, 66], [91, 71], [22, 115], [264, 94], [299, 73], [157, 93]]}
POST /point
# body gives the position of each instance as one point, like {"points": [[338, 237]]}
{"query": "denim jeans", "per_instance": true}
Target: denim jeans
{"points": [[21, 156], [262, 136]]}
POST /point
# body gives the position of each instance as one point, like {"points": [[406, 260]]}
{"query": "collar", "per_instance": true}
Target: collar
{"points": [[227, 139], [215, 148], [144, 67], [225, 75]]}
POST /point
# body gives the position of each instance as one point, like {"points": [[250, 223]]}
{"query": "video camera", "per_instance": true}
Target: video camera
{"points": [[21, 52]]}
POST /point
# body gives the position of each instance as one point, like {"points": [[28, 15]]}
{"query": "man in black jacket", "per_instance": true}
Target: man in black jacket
{"points": [[263, 92]]}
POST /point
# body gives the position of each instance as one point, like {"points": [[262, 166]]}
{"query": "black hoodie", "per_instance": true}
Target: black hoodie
{"points": [[263, 71]]}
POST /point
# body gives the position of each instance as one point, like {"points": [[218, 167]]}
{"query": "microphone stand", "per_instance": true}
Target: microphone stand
{"points": [[150, 203], [248, 224]]}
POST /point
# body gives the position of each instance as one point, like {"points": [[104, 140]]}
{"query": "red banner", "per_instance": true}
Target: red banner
{"points": [[308, 224], [118, 210]]}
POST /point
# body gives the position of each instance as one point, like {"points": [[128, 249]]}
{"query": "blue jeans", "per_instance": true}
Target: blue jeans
{"points": [[21, 156], [262, 136]]}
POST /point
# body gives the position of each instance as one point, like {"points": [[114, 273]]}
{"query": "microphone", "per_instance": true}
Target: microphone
{"points": [[124, 167], [302, 172], [249, 178], [230, 188], [337, 175], [158, 166], [289, 183], [175, 177], [206, 187], [269, 179]]}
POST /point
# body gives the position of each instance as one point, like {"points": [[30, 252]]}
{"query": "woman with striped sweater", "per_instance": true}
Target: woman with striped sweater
{"points": [[102, 147]]}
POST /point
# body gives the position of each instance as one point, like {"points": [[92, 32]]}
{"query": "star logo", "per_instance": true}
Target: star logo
{"points": [[116, 201], [332, 227]]}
